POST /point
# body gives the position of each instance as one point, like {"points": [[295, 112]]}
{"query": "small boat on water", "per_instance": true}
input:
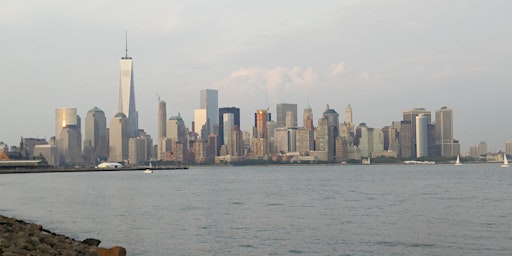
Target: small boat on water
{"points": [[457, 162], [149, 169], [505, 161]]}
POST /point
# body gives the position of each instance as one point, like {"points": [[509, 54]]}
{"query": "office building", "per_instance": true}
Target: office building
{"points": [[410, 139], [210, 102], [227, 125], [96, 137], [444, 140], [421, 136], [308, 118], [281, 111], [236, 121], [201, 126], [68, 136], [118, 138], [162, 119], [127, 95]]}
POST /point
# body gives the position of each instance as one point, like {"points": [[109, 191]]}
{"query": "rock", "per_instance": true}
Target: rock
{"points": [[114, 251], [91, 242]]}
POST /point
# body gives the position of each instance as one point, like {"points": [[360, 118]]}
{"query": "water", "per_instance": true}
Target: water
{"points": [[276, 210]]}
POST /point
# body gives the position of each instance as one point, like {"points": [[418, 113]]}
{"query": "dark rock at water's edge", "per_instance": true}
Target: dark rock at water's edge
{"points": [[20, 238]]}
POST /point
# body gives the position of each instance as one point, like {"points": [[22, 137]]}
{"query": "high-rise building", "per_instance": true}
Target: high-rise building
{"points": [[236, 141], [410, 116], [261, 141], [236, 121], [482, 148], [162, 119], [201, 126], [176, 130], [118, 138], [421, 136], [445, 143], [508, 147], [127, 95], [228, 123], [308, 118], [68, 136], [210, 102], [281, 112], [96, 139], [348, 114]]}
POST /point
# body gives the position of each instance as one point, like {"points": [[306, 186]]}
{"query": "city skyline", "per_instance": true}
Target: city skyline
{"points": [[410, 55]]}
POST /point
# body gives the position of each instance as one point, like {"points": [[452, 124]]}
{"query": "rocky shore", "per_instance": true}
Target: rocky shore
{"points": [[20, 238]]}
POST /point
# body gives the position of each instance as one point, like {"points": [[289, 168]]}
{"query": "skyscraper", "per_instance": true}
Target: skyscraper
{"points": [[118, 138], [127, 95], [95, 141], [348, 114], [421, 136], [410, 139], [282, 109], [162, 119], [445, 143], [228, 123], [201, 124], [308, 118], [68, 135], [236, 121], [210, 102]]}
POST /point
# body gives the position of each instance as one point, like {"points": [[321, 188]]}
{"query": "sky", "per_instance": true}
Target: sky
{"points": [[382, 57]]}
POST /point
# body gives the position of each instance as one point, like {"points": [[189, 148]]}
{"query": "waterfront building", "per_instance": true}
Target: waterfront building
{"points": [[162, 119], [127, 95], [236, 142], [210, 102], [164, 148], [333, 124], [445, 143], [281, 113], [409, 139], [201, 126], [308, 118], [236, 120], [261, 145], [421, 136], [305, 140], [482, 148], [508, 147], [139, 149], [227, 126], [348, 115], [96, 137], [29, 144], [322, 135], [371, 140], [405, 139], [68, 136], [49, 152], [119, 135]]}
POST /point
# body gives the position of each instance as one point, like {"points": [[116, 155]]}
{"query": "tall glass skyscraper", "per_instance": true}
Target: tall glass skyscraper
{"points": [[282, 109], [210, 102], [127, 95]]}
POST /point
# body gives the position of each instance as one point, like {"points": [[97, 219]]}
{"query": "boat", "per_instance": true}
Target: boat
{"points": [[505, 161], [149, 169], [366, 161], [457, 162]]}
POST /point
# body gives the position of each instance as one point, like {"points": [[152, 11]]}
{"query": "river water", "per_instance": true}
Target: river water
{"points": [[276, 210]]}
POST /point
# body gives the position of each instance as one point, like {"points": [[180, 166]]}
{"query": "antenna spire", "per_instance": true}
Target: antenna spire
{"points": [[126, 49]]}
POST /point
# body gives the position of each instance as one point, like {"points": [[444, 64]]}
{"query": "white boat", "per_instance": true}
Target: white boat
{"points": [[366, 161], [505, 161], [149, 169], [457, 162]]}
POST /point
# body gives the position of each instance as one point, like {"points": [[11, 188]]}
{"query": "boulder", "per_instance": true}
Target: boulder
{"points": [[114, 251], [91, 242]]}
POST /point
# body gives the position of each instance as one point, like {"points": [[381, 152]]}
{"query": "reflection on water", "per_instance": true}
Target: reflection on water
{"points": [[276, 210]]}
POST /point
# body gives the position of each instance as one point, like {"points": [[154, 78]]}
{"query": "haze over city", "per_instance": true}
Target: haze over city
{"points": [[381, 57]]}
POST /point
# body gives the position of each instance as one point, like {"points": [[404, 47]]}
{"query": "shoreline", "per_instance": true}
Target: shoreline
{"points": [[18, 237], [86, 169]]}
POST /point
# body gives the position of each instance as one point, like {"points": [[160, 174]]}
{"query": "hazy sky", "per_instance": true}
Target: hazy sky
{"points": [[381, 56]]}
